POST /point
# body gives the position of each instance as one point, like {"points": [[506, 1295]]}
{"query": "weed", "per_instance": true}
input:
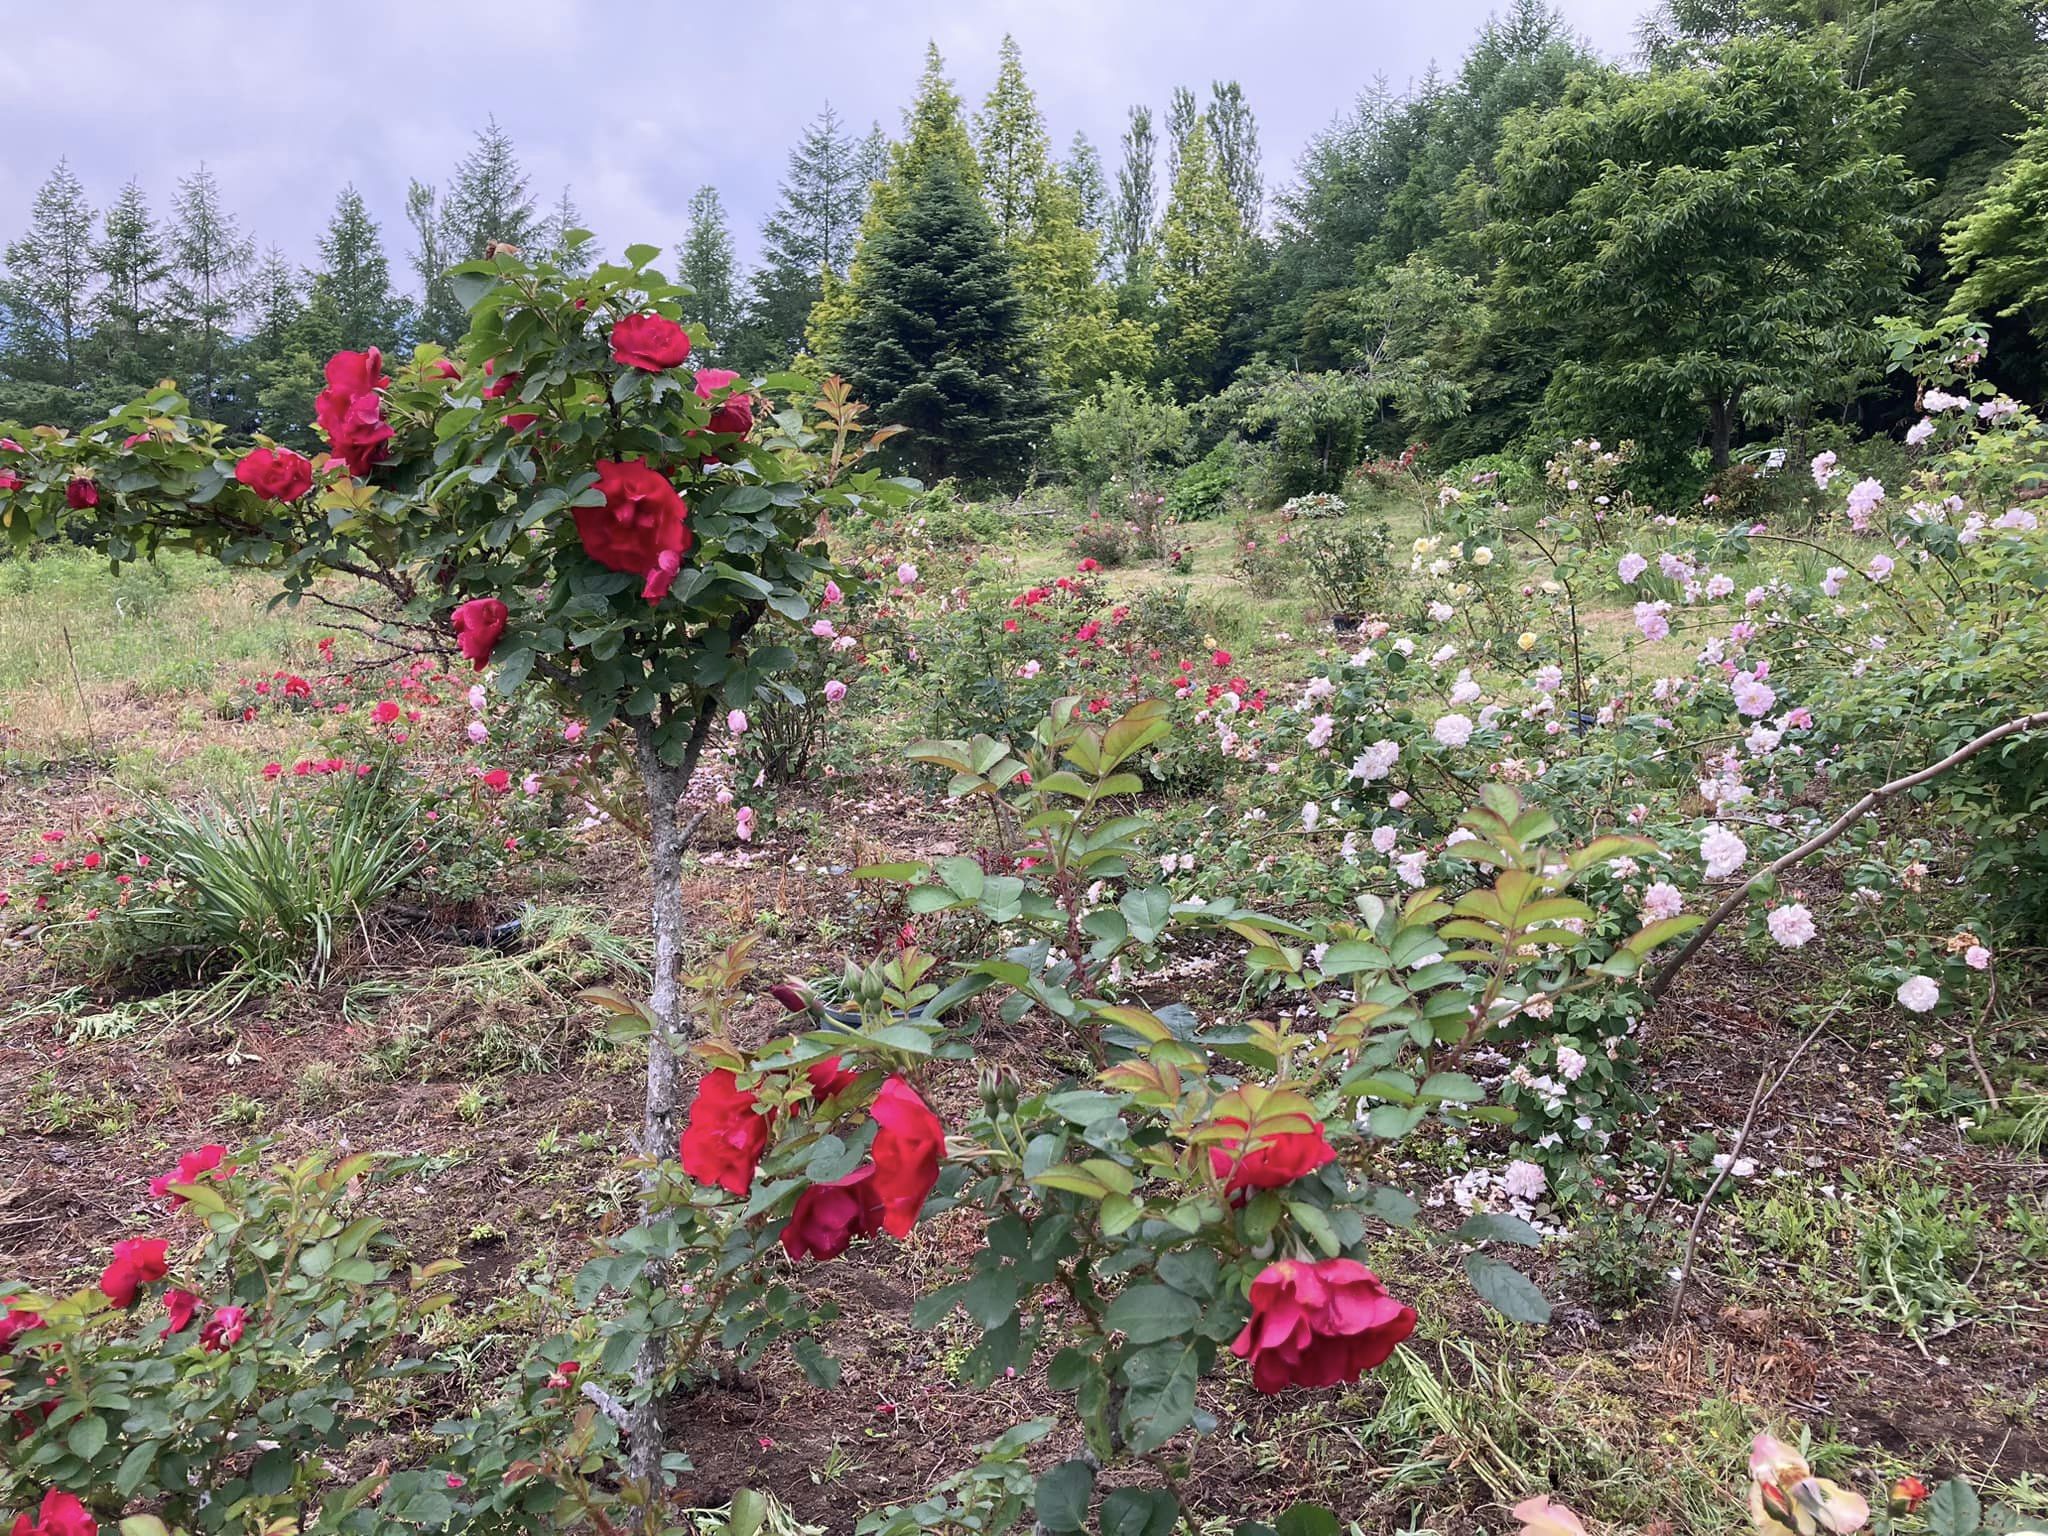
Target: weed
{"points": [[1918, 1252], [318, 1083]]}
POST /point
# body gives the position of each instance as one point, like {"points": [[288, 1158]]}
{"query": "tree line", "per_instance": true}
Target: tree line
{"points": [[1692, 248]]}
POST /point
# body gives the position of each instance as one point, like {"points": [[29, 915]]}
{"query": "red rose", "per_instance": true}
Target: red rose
{"points": [[444, 369], [906, 1154], [180, 1307], [791, 999], [81, 493], [190, 1166], [10, 481], [351, 412], [275, 474], [650, 342], [1315, 1325], [642, 527], [519, 421], [724, 1138], [17, 1322], [735, 413], [828, 1217], [1277, 1159], [61, 1514], [498, 780], [138, 1261], [828, 1077], [223, 1328], [502, 387], [478, 625]]}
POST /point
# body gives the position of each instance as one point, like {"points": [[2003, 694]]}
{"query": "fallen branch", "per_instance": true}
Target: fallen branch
{"points": [[1757, 1101], [1884, 792]]}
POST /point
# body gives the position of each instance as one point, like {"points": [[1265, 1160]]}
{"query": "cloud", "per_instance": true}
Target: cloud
{"points": [[635, 105]]}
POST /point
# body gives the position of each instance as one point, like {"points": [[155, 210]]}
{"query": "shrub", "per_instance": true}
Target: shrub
{"points": [[1205, 487], [1103, 540], [1346, 566]]}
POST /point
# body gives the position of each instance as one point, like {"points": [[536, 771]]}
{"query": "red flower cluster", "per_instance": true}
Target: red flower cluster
{"points": [[478, 625], [61, 1515], [726, 1135], [652, 343], [643, 526], [1318, 1324], [351, 412], [735, 413], [275, 474], [205, 1160], [138, 1261], [1274, 1160], [19, 1320]]}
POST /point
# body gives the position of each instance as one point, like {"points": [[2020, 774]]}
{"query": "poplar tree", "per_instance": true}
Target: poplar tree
{"points": [[706, 264], [1137, 194], [209, 256], [48, 292], [1082, 171], [1182, 113], [1200, 240], [1236, 135]]}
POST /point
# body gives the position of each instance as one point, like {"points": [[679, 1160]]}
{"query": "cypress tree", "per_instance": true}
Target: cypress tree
{"points": [[936, 337], [489, 201], [440, 317], [809, 238]]}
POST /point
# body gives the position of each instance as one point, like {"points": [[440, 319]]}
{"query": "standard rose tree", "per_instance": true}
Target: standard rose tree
{"points": [[559, 498]]}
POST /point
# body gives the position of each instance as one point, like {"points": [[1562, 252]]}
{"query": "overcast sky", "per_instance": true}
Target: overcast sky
{"points": [[635, 104]]}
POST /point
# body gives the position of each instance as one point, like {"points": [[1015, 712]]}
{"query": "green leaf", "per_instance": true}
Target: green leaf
{"points": [[273, 1471], [1306, 1520], [1147, 912], [1139, 1512], [819, 1368], [1490, 1226], [88, 1437], [1506, 1289], [134, 1468], [1953, 1510], [904, 1037], [1452, 1088], [1149, 1314], [1063, 1495]]}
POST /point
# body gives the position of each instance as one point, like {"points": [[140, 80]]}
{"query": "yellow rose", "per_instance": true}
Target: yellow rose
{"points": [[1526, 640], [1482, 556]]}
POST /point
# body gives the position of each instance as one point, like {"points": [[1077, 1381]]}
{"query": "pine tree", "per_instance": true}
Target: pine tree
{"points": [[1137, 194], [1010, 142], [276, 302], [129, 324], [1201, 241], [441, 319], [352, 286], [811, 233], [209, 255], [576, 259], [1083, 174], [936, 340], [1236, 135], [706, 264], [489, 202], [48, 291]]}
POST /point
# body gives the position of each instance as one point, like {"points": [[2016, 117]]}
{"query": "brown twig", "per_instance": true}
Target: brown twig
{"points": [[91, 740], [1757, 1101], [1661, 982]]}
